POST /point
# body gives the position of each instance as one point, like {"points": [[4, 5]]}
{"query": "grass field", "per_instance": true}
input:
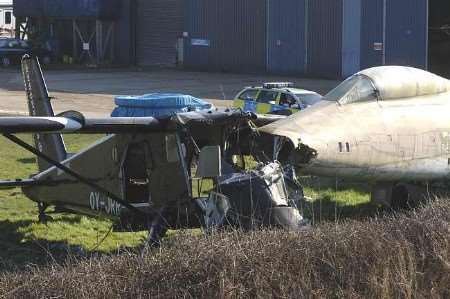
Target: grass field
{"points": [[23, 240]]}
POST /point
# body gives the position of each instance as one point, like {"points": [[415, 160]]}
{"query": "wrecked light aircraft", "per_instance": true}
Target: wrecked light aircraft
{"points": [[141, 174]]}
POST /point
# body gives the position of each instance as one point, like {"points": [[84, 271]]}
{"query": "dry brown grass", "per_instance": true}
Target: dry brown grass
{"points": [[403, 256]]}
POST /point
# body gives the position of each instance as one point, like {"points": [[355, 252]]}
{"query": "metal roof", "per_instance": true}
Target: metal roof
{"points": [[67, 8], [6, 3]]}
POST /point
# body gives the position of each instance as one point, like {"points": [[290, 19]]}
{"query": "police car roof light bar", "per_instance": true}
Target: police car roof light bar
{"points": [[270, 85]]}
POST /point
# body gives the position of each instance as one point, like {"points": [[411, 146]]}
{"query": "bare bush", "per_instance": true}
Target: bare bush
{"points": [[401, 256]]}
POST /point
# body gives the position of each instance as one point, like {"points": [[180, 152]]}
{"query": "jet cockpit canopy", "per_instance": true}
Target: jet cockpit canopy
{"points": [[388, 83]]}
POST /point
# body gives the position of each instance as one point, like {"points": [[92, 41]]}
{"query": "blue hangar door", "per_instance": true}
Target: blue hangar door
{"points": [[407, 32], [394, 32], [159, 24], [286, 36]]}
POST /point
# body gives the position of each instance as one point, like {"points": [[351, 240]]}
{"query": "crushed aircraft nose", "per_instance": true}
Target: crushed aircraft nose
{"points": [[302, 155], [253, 199]]}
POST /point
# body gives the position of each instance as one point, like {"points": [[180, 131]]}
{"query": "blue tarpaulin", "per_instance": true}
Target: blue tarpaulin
{"points": [[156, 104]]}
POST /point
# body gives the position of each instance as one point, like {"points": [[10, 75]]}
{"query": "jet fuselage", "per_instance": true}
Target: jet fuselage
{"points": [[376, 139]]}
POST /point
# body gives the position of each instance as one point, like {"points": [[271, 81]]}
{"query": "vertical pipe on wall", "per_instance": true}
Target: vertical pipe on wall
{"points": [[267, 33], [383, 56], [306, 35], [427, 33], [133, 38], [98, 42], [74, 37]]}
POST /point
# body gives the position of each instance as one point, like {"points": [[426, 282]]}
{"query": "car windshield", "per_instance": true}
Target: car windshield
{"points": [[308, 99], [267, 96], [357, 88], [248, 95]]}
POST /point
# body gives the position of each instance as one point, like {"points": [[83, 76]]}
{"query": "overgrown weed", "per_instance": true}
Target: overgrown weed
{"points": [[406, 255]]}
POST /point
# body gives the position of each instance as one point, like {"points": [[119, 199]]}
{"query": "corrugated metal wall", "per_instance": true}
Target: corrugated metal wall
{"points": [[124, 35], [226, 35], [351, 37], [394, 32], [407, 32], [202, 23], [325, 38], [159, 23], [286, 34], [372, 14]]}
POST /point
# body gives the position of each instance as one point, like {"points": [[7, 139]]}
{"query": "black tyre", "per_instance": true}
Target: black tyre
{"points": [[400, 199]]}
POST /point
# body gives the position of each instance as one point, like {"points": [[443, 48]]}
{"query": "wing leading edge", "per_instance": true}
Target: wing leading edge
{"points": [[111, 125], [32, 124]]}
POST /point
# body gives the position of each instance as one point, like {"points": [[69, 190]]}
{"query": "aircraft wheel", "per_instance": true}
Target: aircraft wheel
{"points": [[155, 237], [400, 199], [43, 217], [157, 230]]}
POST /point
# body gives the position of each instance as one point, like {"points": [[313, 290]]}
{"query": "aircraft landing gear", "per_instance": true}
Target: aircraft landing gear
{"points": [[43, 217], [157, 229]]}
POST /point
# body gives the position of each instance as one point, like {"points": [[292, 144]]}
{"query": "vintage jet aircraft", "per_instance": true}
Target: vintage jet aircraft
{"points": [[387, 125], [141, 172]]}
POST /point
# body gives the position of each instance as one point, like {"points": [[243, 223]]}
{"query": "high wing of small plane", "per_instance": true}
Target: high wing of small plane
{"points": [[142, 172], [387, 125]]}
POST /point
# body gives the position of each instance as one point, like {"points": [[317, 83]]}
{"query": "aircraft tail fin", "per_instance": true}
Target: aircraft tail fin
{"points": [[39, 104]]}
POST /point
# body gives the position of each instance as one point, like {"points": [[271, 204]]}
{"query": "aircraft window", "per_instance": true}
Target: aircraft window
{"points": [[136, 176], [171, 149], [309, 99], [340, 147], [249, 95], [347, 147], [268, 97], [8, 17], [357, 88]]}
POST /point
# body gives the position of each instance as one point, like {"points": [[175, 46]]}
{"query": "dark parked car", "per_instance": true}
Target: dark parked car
{"points": [[12, 50]]}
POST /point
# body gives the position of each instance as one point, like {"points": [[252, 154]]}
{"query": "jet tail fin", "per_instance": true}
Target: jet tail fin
{"points": [[39, 104]]}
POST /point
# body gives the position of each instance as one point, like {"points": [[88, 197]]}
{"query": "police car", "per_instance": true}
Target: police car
{"points": [[275, 98]]}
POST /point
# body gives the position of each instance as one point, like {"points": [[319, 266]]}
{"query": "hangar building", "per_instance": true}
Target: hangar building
{"points": [[321, 38]]}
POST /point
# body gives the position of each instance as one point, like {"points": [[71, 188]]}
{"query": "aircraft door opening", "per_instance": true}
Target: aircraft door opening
{"points": [[136, 175]]}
